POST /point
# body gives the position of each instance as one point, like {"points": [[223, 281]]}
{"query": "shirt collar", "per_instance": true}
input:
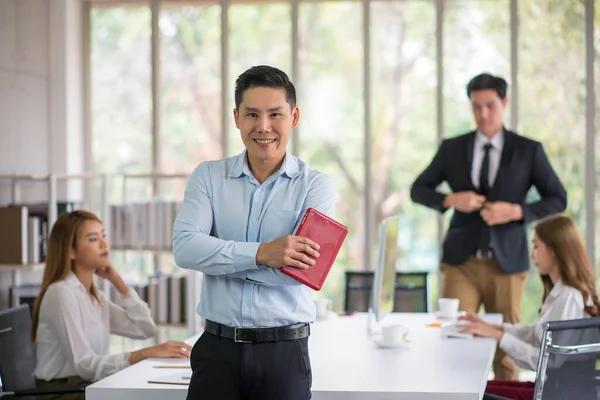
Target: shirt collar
{"points": [[240, 166], [73, 281], [557, 289], [497, 140]]}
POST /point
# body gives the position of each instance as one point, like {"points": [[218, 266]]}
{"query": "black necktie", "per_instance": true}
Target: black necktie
{"points": [[484, 188], [484, 182]]}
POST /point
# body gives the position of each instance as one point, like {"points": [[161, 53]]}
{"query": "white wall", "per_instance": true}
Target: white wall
{"points": [[41, 98]]}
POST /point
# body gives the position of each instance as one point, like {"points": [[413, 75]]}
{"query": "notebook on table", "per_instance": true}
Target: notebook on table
{"points": [[329, 235]]}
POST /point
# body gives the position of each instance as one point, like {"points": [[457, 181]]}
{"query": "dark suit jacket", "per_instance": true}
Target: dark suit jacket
{"points": [[523, 164]]}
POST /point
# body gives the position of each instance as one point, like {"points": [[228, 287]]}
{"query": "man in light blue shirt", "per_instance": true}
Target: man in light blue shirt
{"points": [[235, 226]]}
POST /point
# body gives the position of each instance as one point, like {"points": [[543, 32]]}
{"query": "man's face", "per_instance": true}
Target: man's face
{"points": [[265, 121], [488, 109]]}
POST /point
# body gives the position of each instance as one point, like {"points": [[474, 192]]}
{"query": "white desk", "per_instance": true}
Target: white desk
{"points": [[347, 365]]}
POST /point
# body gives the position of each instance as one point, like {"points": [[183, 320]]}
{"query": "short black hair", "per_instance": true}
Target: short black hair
{"points": [[488, 81], [264, 76]]}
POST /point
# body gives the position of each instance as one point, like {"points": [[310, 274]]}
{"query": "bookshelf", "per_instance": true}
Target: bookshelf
{"points": [[141, 226], [51, 180], [143, 244]]}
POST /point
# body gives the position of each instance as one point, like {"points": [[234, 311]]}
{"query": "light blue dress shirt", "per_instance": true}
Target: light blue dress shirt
{"points": [[226, 214]]}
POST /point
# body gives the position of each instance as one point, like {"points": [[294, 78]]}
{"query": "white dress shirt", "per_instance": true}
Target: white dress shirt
{"points": [[522, 342], [73, 332], [481, 140]]}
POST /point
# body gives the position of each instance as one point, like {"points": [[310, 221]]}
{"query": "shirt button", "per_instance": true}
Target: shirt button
{"points": [[246, 308], [260, 189], [253, 219]]}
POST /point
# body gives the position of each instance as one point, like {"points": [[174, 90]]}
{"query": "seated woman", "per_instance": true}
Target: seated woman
{"points": [[72, 319], [569, 293]]}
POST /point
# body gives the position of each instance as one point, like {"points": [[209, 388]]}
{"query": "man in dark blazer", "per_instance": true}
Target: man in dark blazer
{"points": [[490, 171]]}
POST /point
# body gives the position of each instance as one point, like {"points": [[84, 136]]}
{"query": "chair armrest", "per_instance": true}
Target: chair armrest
{"points": [[583, 323], [48, 391]]}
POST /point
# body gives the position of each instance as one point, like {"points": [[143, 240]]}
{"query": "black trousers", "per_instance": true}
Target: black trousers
{"points": [[225, 370]]}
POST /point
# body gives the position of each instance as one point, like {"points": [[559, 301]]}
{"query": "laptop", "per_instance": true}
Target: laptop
{"points": [[329, 235]]}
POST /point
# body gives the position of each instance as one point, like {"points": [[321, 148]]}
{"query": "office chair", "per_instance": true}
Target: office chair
{"points": [[359, 285], [17, 357], [411, 292], [568, 365]]}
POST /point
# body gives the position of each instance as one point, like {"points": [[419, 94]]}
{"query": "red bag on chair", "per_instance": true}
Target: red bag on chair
{"points": [[511, 389]]}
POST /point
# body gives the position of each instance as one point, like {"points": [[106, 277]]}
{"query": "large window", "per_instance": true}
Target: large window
{"points": [[552, 101], [597, 138], [190, 87], [476, 40], [403, 126], [331, 128], [332, 136], [121, 105], [258, 34]]}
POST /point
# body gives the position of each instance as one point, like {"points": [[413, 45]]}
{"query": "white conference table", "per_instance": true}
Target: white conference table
{"points": [[348, 365]]}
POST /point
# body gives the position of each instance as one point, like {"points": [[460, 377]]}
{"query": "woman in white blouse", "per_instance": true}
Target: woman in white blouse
{"points": [[72, 319], [569, 293]]}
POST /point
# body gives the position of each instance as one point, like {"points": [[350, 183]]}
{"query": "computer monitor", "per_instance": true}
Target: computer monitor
{"points": [[384, 280]]}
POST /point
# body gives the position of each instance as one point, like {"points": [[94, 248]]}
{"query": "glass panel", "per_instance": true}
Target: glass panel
{"points": [[121, 111], [191, 87], [404, 134], [121, 106], [258, 35], [331, 126], [552, 102], [597, 127], [476, 40]]}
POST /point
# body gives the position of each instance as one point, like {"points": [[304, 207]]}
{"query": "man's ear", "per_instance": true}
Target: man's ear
{"points": [[295, 116], [236, 117]]}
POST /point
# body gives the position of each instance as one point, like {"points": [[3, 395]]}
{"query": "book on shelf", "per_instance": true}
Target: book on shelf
{"points": [[144, 226], [165, 295], [14, 237], [25, 231]]}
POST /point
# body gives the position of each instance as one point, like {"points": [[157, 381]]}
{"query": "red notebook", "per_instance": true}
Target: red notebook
{"points": [[329, 235]]}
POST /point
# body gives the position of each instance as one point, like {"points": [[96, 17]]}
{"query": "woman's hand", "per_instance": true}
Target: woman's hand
{"points": [[482, 329], [170, 349], [109, 273]]}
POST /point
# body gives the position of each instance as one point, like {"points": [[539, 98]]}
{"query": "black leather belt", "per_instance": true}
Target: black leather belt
{"points": [[258, 335]]}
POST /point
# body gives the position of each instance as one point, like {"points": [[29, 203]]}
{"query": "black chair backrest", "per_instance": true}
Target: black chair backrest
{"points": [[411, 292], [570, 360], [17, 354], [359, 285]]}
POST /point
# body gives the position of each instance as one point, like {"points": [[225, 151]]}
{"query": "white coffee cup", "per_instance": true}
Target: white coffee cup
{"points": [[323, 307], [393, 335], [448, 308]]}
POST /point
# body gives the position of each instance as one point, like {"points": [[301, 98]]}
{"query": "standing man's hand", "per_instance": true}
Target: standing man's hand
{"points": [[288, 251], [501, 212], [466, 202]]}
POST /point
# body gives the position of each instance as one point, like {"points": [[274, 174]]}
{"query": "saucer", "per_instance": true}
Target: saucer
{"points": [[444, 318], [379, 342]]}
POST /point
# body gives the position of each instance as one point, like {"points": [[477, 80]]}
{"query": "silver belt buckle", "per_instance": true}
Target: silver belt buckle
{"points": [[236, 337], [480, 256]]}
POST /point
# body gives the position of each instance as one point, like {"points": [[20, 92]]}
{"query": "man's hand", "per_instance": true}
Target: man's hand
{"points": [[501, 212], [465, 202], [288, 251]]}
